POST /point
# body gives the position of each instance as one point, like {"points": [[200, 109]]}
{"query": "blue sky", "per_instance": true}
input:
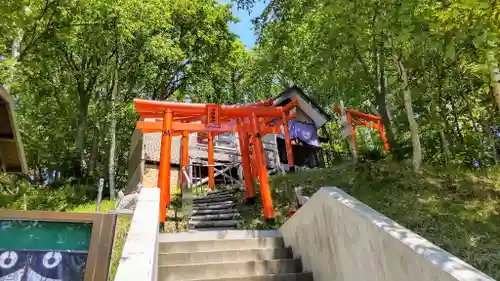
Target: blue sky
{"points": [[244, 28]]}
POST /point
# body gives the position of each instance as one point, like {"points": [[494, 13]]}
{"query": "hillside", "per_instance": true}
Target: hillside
{"points": [[456, 210]]}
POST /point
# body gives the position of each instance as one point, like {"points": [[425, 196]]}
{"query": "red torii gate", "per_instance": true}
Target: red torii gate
{"points": [[368, 120], [250, 121]]}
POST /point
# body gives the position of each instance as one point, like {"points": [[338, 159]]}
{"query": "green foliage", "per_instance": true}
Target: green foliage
{"points": [[441, 55], [59, 60], [91, 207], [47, 198]]}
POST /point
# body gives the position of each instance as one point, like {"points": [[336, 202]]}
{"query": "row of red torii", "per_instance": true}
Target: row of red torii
{"points": [[250, 121]]}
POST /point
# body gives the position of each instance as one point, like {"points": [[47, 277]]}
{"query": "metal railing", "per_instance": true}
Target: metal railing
{"points": [[193, 173], [194, 181]]}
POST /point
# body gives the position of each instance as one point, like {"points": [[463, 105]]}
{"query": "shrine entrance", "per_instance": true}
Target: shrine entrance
{"points": [[249, 121], [358, 118]]}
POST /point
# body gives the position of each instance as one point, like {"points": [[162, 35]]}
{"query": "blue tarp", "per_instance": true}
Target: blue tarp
{"points": [[303, 131]]}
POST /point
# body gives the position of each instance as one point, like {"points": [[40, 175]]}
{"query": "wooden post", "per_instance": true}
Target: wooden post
{"points": [[267, 201], [253, 162], [245, 160], [164, 174], [353, 132], [184, 155], [381, 130], [288, 143], [211, 179]]}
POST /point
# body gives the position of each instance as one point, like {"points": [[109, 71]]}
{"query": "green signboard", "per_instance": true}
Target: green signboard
{"points": [[55, 247], [43, 250]]}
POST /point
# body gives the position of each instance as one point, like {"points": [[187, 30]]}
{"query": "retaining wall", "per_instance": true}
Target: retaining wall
{"points": [[140, 252], [339, 238]]}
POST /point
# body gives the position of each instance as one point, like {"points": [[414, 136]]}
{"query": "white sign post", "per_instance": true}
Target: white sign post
{"points": [[346, 130], [99, 195]]}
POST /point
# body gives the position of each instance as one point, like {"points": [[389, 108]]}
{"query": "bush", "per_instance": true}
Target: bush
{"points": [[52, 199]]}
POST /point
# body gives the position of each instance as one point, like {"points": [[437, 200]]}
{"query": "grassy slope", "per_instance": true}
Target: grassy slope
{"points": [[121, 230], [457, 211]]}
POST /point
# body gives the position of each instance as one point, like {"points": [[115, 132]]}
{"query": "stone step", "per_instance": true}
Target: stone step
{"points": [[214, 206], [211, 229], [213, 199], [215, 217], [227, 270], [219, 223], [221, 191], [213, 212], [220, 245], [224, 256], [304, 276], [201, 204]]}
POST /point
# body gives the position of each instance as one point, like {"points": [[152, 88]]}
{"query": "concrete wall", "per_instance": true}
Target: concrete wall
{"points": [[150, 176], [140, 252], [136, 162], [341, 239]]}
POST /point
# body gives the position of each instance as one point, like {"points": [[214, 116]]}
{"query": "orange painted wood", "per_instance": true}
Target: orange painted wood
{"points": [[165, 157], [265, 190], [253, 162], [288, 142], [258, 111], [184, 155], [197, 127], [142, 105], [213, 114], [149, 126], [211, 179], [245, 161], [382, 135], [182, 118], [160, 106], [366, 124], [357, 113], [289, 106]]}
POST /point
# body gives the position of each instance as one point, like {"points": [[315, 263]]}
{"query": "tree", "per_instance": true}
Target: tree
{"points": [[427, 68], [82, 62]]}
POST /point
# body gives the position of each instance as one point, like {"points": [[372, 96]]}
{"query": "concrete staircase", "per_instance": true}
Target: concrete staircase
{"points": [[227, 256], [215, 211]]}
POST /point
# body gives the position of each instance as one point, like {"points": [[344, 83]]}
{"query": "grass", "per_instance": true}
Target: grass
{"points": [[121, 230], [175, 223], [457, 210]]}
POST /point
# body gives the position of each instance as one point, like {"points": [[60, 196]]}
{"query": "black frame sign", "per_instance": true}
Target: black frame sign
{"points": [[54, 246]]}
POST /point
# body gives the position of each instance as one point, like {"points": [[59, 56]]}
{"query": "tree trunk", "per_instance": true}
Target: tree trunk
{"points": [[16, 44], [80, 138], [417, 149], [112, 137], [446, 146], [16, 51], [94, 151], [494, 76], [439, 124], [381, 99], [490, 137]]}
